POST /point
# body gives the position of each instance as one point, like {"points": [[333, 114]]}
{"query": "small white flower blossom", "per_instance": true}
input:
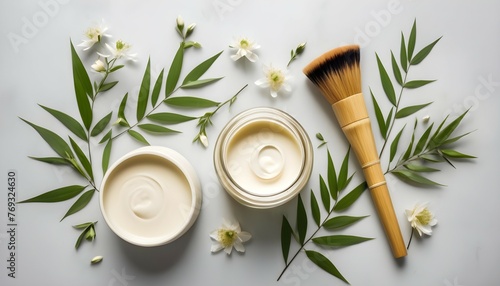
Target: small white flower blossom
{"points": [[275, 79], [98, 66], [93, 35], [120, 49], [204, 140], [245, 48], [421, 219], [229, 235]]}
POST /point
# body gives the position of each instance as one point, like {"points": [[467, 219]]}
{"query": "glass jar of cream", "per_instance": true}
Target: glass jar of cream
{"points": [[263, 157]]}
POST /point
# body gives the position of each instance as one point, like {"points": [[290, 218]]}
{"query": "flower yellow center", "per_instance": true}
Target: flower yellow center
{"points": [[227, 237], [244, 43], [93, 34], [275, 79], [424, 217], [120, 45]]}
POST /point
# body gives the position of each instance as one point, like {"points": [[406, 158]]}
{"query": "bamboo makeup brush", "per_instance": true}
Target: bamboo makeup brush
{"points": [[338, 76]]}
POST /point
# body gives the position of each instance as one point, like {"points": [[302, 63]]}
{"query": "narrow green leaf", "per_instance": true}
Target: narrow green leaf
{"points": [[342, 221], [82, 158], [332, 180], [339, 240], [121, 111], [107, 86], [169, 118], [380, 117], [137, 136], [396, 71], [106, 154], [106, 137], [419, 168], [413, 177], [79, 204], [324, 263], [422, 54], [72, 124], [142, 100], [394, 144], [99, 127], [82, 236], [402, 54], [389, 118], [200, 69], [350, 198], [386, 82], [412, 40], [344, 169], [200, 82], [83, 88], [437, 131], [115, 68], [448, 130], [286, 238], [417, 83], [57, 195], [52, 160], [82, 225], [174, 71], [55, 141], [190, 102], [455, 154], [156, 89], [408, 152], [153, 128], [325, 196], [410, 110], [454, 139], [315, 209], [422, 142], [301, 220], [433, 158]]}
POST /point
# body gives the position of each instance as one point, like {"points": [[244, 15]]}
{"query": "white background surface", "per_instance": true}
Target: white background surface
{"points": [[463, 249]]}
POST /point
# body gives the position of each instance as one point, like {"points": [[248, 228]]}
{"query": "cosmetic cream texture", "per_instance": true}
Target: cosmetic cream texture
{"points": [[264, 158], [147, 197]]}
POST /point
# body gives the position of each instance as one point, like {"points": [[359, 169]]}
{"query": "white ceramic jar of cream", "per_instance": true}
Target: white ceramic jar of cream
{"points": [[150, 196], [263, 157]]}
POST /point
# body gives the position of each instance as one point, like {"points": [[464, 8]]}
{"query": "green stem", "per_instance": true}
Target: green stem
{"points": [[411, 237]]}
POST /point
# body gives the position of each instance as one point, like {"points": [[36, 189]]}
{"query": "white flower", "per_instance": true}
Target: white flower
{"points": [[275, 79], [120, 50], [204, 140], [93, 35], [245, 48], [227, 236], [421, 218], [98, 66]]}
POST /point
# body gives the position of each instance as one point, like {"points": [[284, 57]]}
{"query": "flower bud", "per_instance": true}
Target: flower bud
{"points": [[98, 66], [300, 48], [204, 140], [96, 260], [180, 23], [190, 29]]}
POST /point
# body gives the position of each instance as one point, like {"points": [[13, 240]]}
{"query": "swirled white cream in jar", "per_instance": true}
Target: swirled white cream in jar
{"points": [[150, 196], [263, 157]]}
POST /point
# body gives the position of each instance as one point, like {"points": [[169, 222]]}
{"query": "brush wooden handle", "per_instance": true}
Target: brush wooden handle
{"points": [[353, 117]]}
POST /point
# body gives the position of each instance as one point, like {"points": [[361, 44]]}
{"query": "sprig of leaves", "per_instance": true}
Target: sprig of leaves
{"points": [[88, 232], [331, 190], [295, 53]]}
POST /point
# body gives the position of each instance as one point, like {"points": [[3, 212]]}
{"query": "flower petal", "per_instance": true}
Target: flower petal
{"points": [[228, 249], [239, 246], [244, 236], [216, 247]]}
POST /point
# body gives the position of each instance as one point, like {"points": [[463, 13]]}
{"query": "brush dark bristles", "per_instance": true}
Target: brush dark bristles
{"points": [[336, 73]]}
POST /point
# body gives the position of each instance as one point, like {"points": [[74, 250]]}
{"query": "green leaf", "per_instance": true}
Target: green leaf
{"points": [[121, 111], [89, 230], [190, 102], [325, 196], [332, 180], [82, 158], [107, 86], [455, 154], [106, 137], [389, 118], [156, 89], [99, 127], [199, 70], [301, 220], [448, 130], [324, 263], [315, 209], [386, 82], [115, 68], [52, 160], [402, 54], [380, 117], [82, 225], [396, 71], [422, 54], [417, 83], [153, 128], [422, 142], [137, 136], [200, 82], [394, 144], [55, 141], [57, 195], [454, 139], [351, 197], [169, 118], [341, 221], [410, 110], [339, 240], [412, 40], [106, 155], [419, 168], [174, 71], [83, 88], [82, 202], [407, 153], [413, 177], [286, 238], [72, 124], [142, 100], [342, 179]]}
